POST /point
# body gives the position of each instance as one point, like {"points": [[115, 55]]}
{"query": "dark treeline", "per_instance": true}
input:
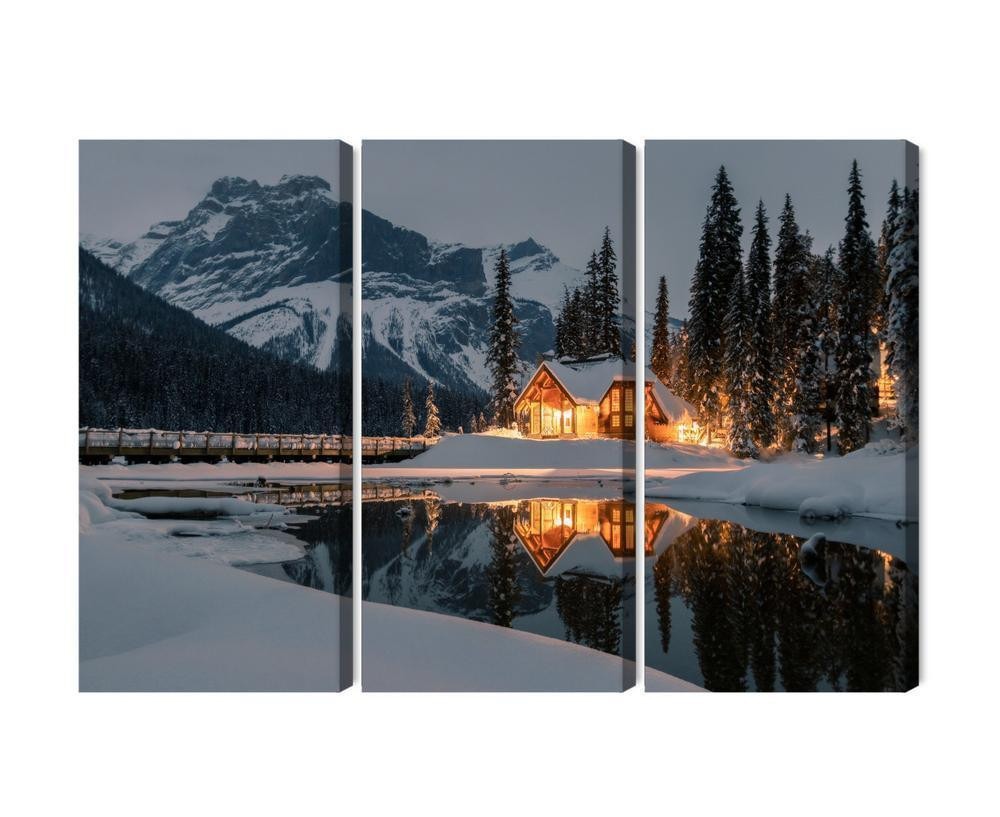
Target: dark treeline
{"points": [[845, 618], [145, 363], [777, 347], [385, 410]]}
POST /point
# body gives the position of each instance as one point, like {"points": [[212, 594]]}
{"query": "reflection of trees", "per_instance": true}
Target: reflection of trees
{"points": [[502, 571], [849, 619], [432, 508], [662, 577], [328, 562], [590, 609]]}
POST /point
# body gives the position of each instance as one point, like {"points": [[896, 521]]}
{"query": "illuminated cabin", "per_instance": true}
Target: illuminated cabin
{"points": [[596, 398], [547, 527]]}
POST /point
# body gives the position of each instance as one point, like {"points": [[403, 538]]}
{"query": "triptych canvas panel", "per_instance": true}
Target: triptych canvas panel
{"points": [[507, 377]]}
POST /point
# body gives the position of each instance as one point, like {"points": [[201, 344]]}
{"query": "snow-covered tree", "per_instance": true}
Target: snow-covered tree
{"points": [[738, 370], [806, 417], [885, 244], [791, 260], [902, 335], [856, 261], [719, 261], [760, 346], [587, 310], [562, 335], [610, 339], [661, 359], [681, 378], [432, 425], [501, 356], [409, 420]]}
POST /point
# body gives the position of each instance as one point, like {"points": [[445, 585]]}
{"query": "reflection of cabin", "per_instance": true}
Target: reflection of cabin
{"points": [[596, 398], [547, 527]]}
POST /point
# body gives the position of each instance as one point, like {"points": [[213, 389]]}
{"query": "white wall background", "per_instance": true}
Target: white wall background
{"points": [[513, 69]]}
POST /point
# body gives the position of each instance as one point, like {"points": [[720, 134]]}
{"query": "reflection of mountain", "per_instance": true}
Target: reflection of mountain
{"points": [[327, 563], [762, 617], [475, 566]]}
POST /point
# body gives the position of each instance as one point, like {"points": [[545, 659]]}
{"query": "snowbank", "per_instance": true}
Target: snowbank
{"points": [[408, 650], [151, 621], [868, 482]]}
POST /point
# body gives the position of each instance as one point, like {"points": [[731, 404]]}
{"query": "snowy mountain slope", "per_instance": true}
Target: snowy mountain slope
{"points": [[268, 263], [428, 306]]}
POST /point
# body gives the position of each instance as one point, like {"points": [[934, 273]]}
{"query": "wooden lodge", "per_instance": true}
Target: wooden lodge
{"points": [[596, 398]]}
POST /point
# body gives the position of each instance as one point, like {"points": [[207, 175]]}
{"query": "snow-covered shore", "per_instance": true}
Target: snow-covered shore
{"points": [[154, 619], [870, 482]]}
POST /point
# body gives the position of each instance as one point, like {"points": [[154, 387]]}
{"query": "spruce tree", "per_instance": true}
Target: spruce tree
{"points": [[409, 416], [681, 378], [885, 244], [589, 310], [826, 332], [806, 419], [760, 347], [432, 425], [855, 384], [610, 340], [738, 370], [561, 338], [902, 333], [791, 259], [660, 359], [719, 262], [501, 356]]}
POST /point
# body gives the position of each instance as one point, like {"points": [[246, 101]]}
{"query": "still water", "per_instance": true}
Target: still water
{"points": [[735, 609]]}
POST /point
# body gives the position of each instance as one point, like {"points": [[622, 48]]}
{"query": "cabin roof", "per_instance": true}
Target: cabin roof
{"points": [[588, 381]]}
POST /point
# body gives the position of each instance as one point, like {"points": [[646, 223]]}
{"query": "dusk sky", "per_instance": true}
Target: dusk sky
{"points": [[483, 193], [679, 176], [127, 186]]}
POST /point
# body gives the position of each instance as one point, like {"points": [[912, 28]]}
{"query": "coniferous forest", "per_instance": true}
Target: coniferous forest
{"points": [[147, 364], [782, 350]]}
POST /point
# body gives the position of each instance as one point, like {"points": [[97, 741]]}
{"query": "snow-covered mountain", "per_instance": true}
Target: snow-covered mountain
{"points": [[270, 264], [428, 306]]}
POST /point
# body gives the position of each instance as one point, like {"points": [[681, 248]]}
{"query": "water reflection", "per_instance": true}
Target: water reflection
{"points": [[770, 611], [556, 567]]}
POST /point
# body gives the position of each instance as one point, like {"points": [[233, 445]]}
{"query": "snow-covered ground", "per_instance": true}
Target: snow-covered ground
{"points": [[471, 455], [869, 482], [417, 651], [154, 619]]}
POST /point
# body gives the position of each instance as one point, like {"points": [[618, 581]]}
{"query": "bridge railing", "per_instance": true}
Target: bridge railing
{"points": [[103, 441]]}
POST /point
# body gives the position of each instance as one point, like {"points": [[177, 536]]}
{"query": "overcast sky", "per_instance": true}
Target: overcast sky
{"points": [[126, 186], [679, 176], [481, 193]]}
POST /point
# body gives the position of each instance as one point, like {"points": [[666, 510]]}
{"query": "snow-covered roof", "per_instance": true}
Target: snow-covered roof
{"points": [[675, 409], [587, 382]]}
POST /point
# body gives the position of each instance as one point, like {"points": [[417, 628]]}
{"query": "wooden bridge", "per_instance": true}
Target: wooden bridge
{"points": [[99, 445]]}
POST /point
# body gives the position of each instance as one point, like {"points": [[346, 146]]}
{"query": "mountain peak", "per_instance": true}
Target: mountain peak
{"points": [[298, 183], [231, 187]]}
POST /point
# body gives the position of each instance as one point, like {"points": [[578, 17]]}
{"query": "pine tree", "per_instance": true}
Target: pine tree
{"points": [[806, 419], [482, 424], [758, 284], [885, 245], [791, 260], [473, 424], [854, 352], [562, 338], [610, 340], [661, 359], [409, 416], [432, 425], [826, 332], [719, 262], [588, 311], [739, 374], [902, 335], [501, 355], [681, 378]]}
